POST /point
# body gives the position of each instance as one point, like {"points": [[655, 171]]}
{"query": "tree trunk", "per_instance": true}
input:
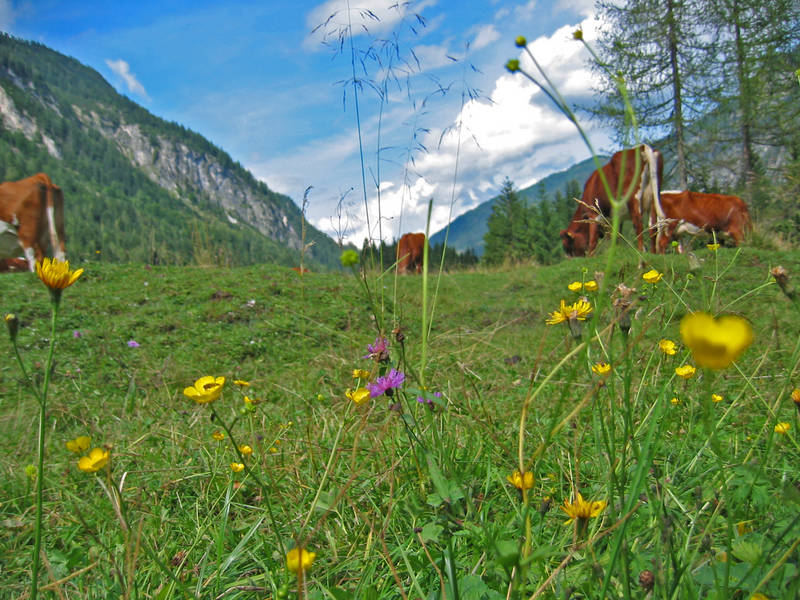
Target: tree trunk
{"points": [[677, 105]]}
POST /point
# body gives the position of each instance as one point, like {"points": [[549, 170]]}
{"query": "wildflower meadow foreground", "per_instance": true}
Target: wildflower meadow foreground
{"points": [[556, 432]]}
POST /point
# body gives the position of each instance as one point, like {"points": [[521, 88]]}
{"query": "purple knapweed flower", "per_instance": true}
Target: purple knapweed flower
{"points": [[424, 400], [133, 344], [77, 334], [378, 348], [393, 379]]}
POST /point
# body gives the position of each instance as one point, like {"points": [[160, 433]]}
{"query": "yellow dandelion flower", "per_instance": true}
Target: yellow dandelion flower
{"points": [[358, 395], [652, 276], [716, 398], [206, 389], [521, 481], [715, 343], [245, 450], [248, 400], [580, 310], [56, 274], [782, 428], [96, 460], [796, 397], [237, 467], [603, 369], [575, 286], [241, 383], [581, 509], [360, 374], [299, 559], [79, 444], [558, 316], [685, 371], [668, 347], [591, 286], [218, 435]]}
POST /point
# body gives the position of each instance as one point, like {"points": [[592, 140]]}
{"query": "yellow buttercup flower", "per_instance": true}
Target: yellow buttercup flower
{"points": [[79, 444], [581, 509], [56, 274], [652, 276], [237, 467], [299, 559], [575, 286], [358, 395], [206, 389], [675, 401], [715, 343], [685, 371], [716, 398], [241, 383], [521, 481], [591, 286], [360, 374], [603, 369], [96, 460], [218, 435], [782, 428], [759, 596], [668, 347], [245, 450], [712, 247]]}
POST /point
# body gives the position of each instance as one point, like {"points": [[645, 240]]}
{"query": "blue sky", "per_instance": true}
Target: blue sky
{"points": [[253, 79]]}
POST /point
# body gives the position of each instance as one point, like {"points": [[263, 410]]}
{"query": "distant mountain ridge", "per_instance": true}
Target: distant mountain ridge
{"points": [[138, 188], [468, 229]]}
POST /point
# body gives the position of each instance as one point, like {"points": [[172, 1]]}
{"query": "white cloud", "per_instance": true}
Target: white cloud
{"points": [[485, 36], [7, 15], [123, 70]]}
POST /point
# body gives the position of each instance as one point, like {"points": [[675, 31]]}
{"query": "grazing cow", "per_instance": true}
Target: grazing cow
{"points": [[35, 207], [641, 187], [692, 212], [409, 253]]}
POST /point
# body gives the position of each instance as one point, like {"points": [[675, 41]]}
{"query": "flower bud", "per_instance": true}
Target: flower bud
{"points": [[521, 42], [513, 65], [13, 325]]}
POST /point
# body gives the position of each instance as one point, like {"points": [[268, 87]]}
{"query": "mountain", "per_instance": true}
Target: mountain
{"points": [[468, 229], [136, 187]]}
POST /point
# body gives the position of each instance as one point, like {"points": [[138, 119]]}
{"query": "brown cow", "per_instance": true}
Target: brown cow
{"points": [[409, 253], [35, 207], [640, 184], [692, 212]]}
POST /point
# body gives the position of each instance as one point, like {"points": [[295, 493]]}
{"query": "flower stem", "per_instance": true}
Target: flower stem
{"points": [[37, 526]]}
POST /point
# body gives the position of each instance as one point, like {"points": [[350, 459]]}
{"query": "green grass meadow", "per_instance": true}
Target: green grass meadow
{"points": [[399, 498]]}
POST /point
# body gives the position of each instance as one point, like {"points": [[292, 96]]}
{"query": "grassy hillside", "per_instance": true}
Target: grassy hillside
{"points": [[394, 494]]}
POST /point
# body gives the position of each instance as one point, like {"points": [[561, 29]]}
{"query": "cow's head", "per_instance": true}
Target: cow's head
{"points": [[574, 242]]}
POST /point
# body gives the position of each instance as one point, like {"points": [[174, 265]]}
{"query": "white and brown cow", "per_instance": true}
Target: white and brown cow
{"points": [[634, 174], [34, 208]]}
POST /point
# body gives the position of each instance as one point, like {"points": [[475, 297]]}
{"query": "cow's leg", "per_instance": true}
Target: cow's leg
{"points": [[29, 256], [55, 221], [593, 235]]}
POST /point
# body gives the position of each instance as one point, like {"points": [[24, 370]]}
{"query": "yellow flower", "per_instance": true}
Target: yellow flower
{"points": [[273, 449], [245, 450], [685, 371], [712, 247], [218, 435], [359, 395], [577, 311], [13, 325], [675, 401], [79, 444], [582, 510], [716, 398], [248, 400], [715, 343], [360, 374], [237, 467], [96, 460], [782, 428], [759, 596], [206, 389], [603, 369], [299, 559], [55, 273], [667, 347], [591, 286], [241, 383], [575, 286], [521, 481], [652, 276], [796, 397]]}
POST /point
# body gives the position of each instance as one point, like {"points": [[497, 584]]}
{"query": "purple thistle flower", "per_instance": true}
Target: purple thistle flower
{"points": [[379, 347], [133, 344], [77, 334], [393, 379]]}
